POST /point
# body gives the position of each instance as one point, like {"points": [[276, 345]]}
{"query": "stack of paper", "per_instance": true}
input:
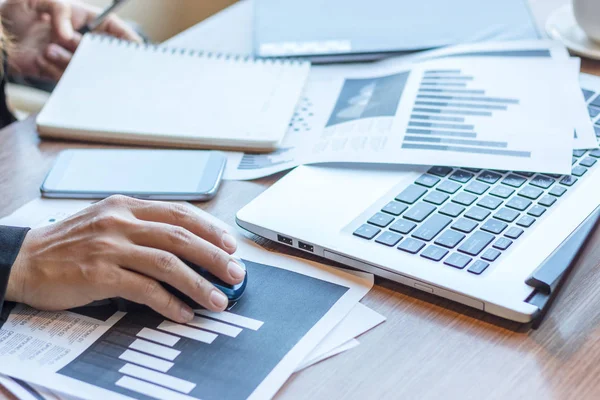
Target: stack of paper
{"points": [[508, 106], [342, 338], [294, 314]]}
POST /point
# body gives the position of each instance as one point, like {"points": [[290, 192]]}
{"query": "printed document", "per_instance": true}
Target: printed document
{"points": [[481, 106], [249, 351]]}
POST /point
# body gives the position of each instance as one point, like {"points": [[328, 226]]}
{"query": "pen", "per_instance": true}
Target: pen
{"points": [[101, 17]]}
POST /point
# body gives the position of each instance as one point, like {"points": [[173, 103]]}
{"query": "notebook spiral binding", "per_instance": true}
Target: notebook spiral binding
{"points": [[196, 53]]}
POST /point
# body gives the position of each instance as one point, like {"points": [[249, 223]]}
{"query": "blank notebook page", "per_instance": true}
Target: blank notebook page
{"points": [[115, 89]]}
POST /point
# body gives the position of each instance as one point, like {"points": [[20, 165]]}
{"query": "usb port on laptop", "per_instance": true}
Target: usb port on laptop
{"points": [[285, 240], [307, 247]]}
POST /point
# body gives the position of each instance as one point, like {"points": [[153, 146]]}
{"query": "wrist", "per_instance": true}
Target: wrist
{"points": [[15, 288]]}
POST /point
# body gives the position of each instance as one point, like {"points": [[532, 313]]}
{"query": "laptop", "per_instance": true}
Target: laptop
{"points": [[345, 30], [487, 239]]}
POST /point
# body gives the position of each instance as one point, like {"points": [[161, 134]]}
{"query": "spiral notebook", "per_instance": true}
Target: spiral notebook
{"points": [[116, 91]]}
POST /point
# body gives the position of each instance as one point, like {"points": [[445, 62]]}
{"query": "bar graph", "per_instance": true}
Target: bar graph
{"points": [[252, 161], [445, 115], [170, 382], [145, 356], [148, 363], [155, 349], [141, 359], [188, 332], [158, 337], [146, 360]]}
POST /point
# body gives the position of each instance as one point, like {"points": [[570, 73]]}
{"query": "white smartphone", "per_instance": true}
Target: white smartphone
{"points": [[192, 175]]}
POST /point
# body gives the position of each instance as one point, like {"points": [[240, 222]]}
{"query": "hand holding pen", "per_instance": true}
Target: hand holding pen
{"points": [[95, 23], [69, 21]]}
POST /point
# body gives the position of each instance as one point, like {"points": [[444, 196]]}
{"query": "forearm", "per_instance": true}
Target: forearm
{"points": [[11, 240]]}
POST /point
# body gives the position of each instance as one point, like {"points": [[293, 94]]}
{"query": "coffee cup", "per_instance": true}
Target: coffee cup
{"points": [[587, 15]]}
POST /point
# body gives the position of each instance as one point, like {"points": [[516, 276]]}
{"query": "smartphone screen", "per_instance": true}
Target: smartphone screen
{"points": [[166, 174]]}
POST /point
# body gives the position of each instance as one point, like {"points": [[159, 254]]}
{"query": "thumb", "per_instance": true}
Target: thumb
{"points": [[60, 17]]}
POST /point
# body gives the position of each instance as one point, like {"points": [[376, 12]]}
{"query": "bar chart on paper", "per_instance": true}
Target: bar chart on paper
{"points": [[517, 113], [145, 356], [141, 359], [251, 161], [151, 355], [447, 106]]}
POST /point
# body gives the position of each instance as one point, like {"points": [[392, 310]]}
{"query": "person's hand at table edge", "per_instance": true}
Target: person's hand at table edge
{"points": [[123, 247]]}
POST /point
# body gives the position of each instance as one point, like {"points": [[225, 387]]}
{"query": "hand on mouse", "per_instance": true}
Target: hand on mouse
{"points": [[123, 247]]}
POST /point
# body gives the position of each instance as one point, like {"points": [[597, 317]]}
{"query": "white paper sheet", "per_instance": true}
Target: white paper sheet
{"points": [[315, 134], [21, 391], [360, 320], [29, 391], [349, 345], [585, 135], [42, 212], [517, 133], [342, 338]]}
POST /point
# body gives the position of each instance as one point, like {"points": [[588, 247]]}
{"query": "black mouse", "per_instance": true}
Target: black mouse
{"points": [[233, 292]]}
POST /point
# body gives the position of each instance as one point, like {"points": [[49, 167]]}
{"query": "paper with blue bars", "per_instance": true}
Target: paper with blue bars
{"points": [[515, 106]]}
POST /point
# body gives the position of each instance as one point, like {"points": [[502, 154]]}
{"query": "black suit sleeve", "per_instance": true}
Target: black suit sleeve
{"points": [[11, 239]]}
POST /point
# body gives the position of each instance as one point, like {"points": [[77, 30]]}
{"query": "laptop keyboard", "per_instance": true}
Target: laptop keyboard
{"points": [[465, 218]]}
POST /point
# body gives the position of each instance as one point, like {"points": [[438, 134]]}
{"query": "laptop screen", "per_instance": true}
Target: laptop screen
{"points": [[325, 27]]}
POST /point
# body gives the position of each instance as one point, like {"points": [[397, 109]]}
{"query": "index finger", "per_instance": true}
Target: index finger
{"points": [[180, 215], [72, 43], [144, 290]]}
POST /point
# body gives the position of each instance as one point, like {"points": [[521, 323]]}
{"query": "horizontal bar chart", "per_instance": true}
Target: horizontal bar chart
{"points": [[215, 326], [231, 318], [452, 112], [441, 133], [151, 390], [460, 105], [451, 91], [188, 332], [158, 337], [468, 98], [439, 125], [252, 161], [153, 349], [437, 118], [446, 115], [154, 360], [449, 77], [158, 378], [146, 360], [511, 153], [480, 143], [443, 84]]}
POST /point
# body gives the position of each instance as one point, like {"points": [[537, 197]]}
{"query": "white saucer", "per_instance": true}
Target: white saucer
{"points": [[562, 26]]}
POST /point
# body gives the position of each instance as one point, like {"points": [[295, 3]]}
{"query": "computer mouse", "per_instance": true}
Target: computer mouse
{"points": [[233, 292]]}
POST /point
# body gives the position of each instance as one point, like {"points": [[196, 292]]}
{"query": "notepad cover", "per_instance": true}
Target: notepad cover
{"points": [[116, 91]]}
